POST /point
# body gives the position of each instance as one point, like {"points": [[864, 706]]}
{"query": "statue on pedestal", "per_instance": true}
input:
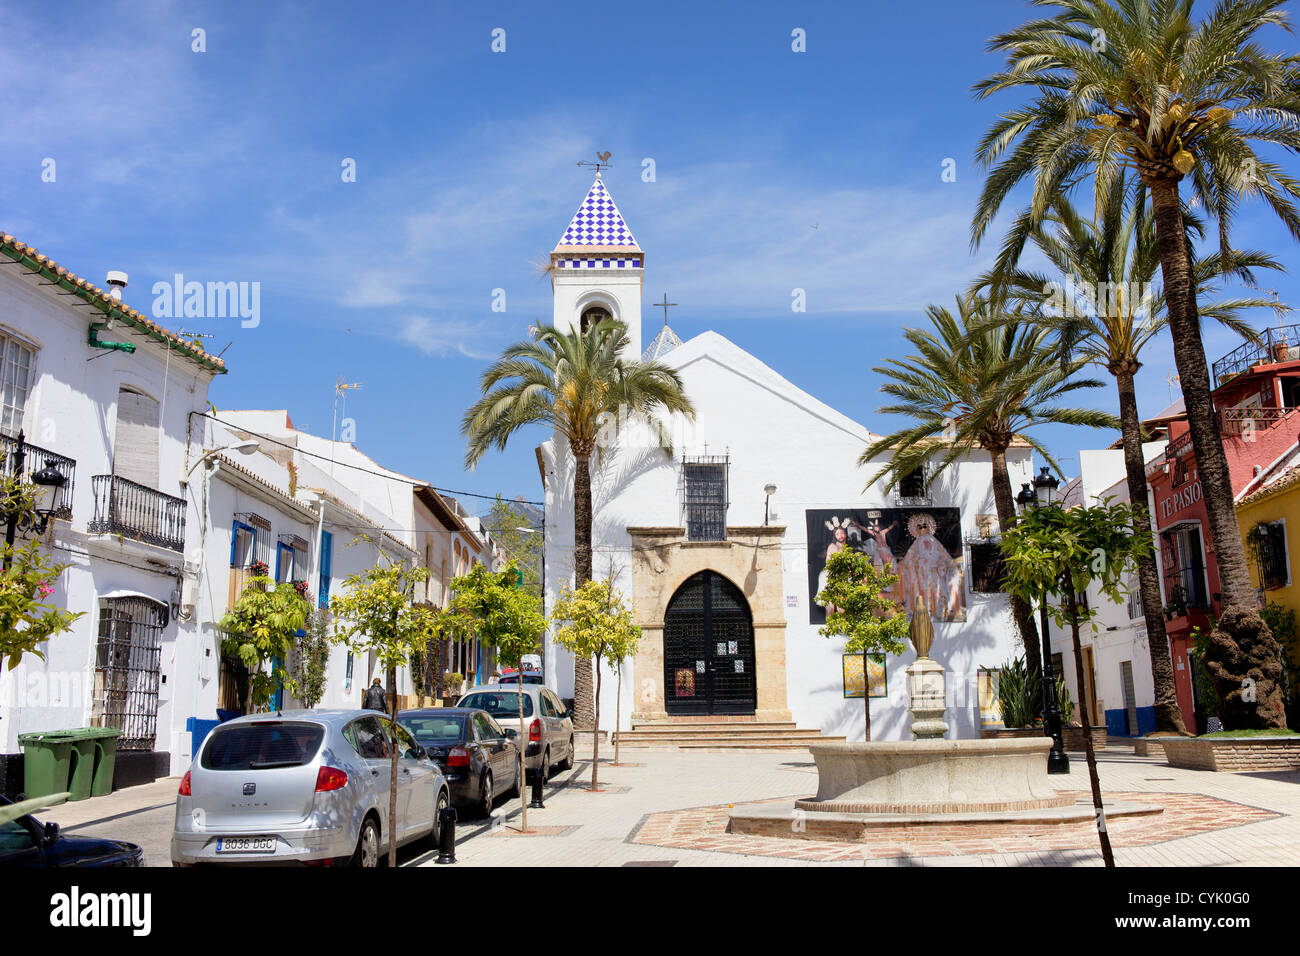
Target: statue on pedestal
{"points": [[925, 685]]}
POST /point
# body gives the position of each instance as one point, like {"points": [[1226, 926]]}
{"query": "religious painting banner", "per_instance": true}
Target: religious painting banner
{"points": [[923, 546]]}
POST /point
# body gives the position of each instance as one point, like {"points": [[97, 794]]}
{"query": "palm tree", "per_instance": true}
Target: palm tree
{"points": [[1136, 83], [979, 379], [1116, 258], [576, 382]]}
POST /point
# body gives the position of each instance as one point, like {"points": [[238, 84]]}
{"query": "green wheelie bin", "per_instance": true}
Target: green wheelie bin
{"points": [[100, 747], [53, 762]]}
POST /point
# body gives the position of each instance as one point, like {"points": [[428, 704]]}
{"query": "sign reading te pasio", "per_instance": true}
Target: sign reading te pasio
{"points": [[1184, 497]]}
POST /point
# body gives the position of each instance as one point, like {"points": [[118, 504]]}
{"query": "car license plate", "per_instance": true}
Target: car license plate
{"points": [[259, 844]]}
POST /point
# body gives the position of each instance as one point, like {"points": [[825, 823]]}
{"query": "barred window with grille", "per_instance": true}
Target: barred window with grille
{"points": [[127, 659], [704, 498], [1271, 550], [986, 568]]}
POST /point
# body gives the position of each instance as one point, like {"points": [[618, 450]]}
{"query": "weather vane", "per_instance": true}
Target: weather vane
{"points": [[602, 162]]}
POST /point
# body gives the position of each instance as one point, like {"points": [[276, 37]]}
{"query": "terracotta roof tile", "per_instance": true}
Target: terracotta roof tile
{"points": [[20, 251]]}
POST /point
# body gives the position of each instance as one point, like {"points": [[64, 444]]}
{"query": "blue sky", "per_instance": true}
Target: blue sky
{"points": [[225, 166]]}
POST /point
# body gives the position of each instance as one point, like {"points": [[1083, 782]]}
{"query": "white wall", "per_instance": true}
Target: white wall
{"points": [[72, 410], [774, 433]]}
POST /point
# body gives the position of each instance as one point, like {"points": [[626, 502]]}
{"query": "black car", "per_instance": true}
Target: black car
{"points": [[28, 842], [476, 755]]}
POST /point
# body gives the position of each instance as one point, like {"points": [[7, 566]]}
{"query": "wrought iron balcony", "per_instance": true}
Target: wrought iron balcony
{"points": [[138, 512], [1281, 344], [1247, 419], [36, 459]]}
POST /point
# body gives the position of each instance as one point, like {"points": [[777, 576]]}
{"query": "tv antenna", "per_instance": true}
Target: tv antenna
{"points": [[602, 162], [341, 389]]}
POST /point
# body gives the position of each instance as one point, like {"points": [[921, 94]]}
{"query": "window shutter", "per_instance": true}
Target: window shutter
{"points": [[135, 446]]}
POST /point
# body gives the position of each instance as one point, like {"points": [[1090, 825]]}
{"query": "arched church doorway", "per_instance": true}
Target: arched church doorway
{"points": [[709, 649]]}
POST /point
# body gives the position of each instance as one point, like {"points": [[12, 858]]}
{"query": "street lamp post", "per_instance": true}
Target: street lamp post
{"points": [[48, 481], [1040, 496]]}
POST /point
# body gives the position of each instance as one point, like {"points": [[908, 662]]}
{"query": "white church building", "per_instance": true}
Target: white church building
{"points": [[719, 545]]}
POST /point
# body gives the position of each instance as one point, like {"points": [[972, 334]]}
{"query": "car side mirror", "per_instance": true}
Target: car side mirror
{"points": [[51, 832]]}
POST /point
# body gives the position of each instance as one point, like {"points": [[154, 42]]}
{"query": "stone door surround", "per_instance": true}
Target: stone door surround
{"points": [[662, 560]]}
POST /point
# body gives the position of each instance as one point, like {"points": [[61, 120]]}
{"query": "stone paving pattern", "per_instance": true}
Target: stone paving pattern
{"points": [[1211, 819]]}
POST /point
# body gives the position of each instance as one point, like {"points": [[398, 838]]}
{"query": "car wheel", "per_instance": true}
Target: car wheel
{"points": [[367, 853], [435, 835], [485, 796], [545, 770], [567, 763]]}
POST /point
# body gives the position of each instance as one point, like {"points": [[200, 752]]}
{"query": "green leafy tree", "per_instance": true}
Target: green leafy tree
{"points": [[523, 546], [593, 622], [258, 636], [1140, 83], [1114, 256], [578, 383], [375, 613], [1060, 552], [857, 610], [978, 379], [27, 620], [310, 660], [489, 606]]}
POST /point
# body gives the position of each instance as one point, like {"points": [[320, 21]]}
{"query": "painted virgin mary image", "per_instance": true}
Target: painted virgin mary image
{"points": [[929, 572]]}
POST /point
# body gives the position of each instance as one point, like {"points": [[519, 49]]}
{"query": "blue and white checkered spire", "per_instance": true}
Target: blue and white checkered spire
{"points": [[598, 224]]}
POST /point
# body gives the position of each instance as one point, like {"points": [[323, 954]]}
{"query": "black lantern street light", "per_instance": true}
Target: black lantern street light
{"points": [[1041, 496], [48, 481]]}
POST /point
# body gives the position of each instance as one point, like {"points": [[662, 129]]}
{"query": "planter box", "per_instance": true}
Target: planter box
{"points": [[1233, 754], [1010, 733], [1149, 747], [1072, 736]]}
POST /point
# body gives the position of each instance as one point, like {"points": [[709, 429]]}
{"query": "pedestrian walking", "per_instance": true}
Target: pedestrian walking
{"points": [[376, 697]]}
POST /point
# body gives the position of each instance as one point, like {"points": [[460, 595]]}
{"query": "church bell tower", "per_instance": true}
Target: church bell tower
{"points": [[597, 268]]}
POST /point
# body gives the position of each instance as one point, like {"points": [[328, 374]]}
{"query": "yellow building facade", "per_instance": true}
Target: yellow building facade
{"points": [[1270, 526]]}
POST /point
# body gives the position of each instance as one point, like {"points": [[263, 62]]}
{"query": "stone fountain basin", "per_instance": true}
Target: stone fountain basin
{"points": [[933, 776]]}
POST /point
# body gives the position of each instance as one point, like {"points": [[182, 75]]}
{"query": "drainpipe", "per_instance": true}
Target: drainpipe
{"points": [[1277, 461]]}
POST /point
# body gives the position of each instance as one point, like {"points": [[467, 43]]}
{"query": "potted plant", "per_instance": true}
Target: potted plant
{"points": [[301, 588], [451, 687], [258, 569]]}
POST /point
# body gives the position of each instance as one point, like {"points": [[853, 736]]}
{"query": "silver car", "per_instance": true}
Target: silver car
{"points": [[305, 786], [547, 737]]}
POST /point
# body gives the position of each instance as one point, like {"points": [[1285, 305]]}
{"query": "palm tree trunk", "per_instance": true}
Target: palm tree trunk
{"points": [[1243, 660], [1005, 503], [1169, 715], [582, 692], [1093, 781]]}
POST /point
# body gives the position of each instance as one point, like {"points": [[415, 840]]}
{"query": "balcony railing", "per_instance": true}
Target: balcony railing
{"points": [[37, 459], [138, 512], [1281, 344], [1248, 419]]}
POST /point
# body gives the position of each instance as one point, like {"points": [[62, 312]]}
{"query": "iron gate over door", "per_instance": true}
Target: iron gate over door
{"points": [[708, 649], [126, 669]]}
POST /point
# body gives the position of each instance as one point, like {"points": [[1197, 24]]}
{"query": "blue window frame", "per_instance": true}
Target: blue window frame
{"points": [[243, 544], [326, 560], [284, 562]]}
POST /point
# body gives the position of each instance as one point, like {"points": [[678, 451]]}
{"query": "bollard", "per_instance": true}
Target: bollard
{"points": [[536, 802], [447, 836]]}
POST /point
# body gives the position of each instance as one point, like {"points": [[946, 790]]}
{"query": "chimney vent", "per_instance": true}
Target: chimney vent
{"points": [[116, 283]]}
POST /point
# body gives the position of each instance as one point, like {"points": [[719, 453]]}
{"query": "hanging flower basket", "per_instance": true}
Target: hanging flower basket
{"points": [[301, 588], [258, 569]]}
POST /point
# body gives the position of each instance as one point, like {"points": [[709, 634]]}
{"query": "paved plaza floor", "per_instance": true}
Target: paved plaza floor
{"points": [[670, 808]]}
